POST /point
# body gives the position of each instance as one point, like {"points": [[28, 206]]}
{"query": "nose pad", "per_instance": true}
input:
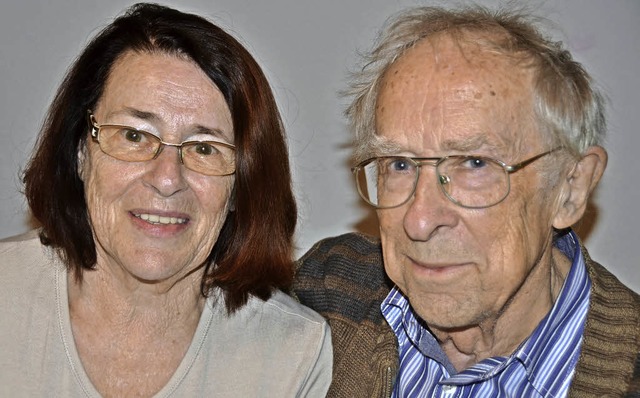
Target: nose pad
{"points": [[165, 173], [445, 187], [180, 158], [164, 144], [159, 151]]}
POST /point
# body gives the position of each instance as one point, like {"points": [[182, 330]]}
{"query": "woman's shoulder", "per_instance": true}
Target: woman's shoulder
{"points": [[275, 347], [24, 260], [285, 306], [280, 315], [20, 239], [277, 312], [25, 248], [279, 321]]}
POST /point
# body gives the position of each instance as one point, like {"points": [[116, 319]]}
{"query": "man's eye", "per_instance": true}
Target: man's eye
{"points": [[475, 163], [400, 165]]}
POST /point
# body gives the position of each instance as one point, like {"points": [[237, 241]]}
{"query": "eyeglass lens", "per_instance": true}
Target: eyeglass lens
{"points": [[473, 182], [129, 144]]}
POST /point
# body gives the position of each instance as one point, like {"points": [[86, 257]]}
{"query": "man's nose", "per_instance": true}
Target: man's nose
{"points": [[428, 210]]}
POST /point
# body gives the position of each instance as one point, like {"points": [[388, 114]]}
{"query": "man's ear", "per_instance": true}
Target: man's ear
{"points": [[578, 185]]}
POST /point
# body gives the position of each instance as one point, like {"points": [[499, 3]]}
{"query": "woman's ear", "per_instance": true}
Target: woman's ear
{"points": [[81, 159], [232, 199], [578, 185]]}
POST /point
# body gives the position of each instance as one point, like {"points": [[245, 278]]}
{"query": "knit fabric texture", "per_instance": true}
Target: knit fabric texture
{"points": [[343, 279]]}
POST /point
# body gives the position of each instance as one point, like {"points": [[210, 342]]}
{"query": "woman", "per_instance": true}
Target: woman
{"points": [[162, 185]]}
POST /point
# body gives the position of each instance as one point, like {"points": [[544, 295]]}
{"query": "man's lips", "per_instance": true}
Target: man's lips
{"points": [[439, 267]]}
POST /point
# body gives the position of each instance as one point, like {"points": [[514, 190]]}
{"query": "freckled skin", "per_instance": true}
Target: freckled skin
{"points": [[182, 97], [497, 281], [145, 290]]}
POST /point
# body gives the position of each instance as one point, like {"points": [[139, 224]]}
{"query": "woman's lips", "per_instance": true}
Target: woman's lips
{"points": [[159, 224], [157, 219]]}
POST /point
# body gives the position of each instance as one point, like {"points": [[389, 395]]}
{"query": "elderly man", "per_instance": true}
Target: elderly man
{"points": [[478, 144]]}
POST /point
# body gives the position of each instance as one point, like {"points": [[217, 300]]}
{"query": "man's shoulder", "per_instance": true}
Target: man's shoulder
{"points": [[610, 290], [614, 309], [612, 330], [352, 256], [344, 276]]}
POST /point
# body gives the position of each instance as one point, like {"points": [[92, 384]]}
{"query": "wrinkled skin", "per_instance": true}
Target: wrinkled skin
{"points": [[482, 278], [181, 103], [144, 293]]}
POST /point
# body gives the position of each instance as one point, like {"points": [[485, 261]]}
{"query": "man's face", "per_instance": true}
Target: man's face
{"points": [[460, 267]]}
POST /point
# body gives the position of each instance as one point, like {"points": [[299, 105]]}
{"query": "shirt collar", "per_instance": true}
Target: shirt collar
{"points": [[406, 325]]}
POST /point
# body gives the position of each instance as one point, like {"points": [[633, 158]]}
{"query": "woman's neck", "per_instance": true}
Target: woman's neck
{"points": [[131, 339]]}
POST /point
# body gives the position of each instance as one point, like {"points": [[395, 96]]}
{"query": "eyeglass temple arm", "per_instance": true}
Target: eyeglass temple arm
{"points": [[518, 166], [93, 124]]}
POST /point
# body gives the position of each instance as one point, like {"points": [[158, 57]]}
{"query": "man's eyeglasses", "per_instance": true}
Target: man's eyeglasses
{"points": [[130, 144], [473, 182]]}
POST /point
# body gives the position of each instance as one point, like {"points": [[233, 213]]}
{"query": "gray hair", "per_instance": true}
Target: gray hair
{"points": [[568, 106]]}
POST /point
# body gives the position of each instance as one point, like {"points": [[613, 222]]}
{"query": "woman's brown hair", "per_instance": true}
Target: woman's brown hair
{"points": [[253, 254]]}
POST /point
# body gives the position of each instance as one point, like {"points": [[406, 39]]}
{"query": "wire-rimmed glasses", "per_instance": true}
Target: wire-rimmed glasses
{"points": [[473, 182], [213, 158]]}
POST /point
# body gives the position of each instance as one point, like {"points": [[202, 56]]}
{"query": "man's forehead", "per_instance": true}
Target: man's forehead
{"points": [[445, 51], [462, 96]]}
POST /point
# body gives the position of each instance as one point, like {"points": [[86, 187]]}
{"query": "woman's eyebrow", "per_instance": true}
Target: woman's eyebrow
{"points": [[137, 113], [154, 117], [203, 130]]}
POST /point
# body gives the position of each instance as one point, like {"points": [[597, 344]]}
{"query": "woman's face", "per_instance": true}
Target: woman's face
{"points": [[155, 221]]}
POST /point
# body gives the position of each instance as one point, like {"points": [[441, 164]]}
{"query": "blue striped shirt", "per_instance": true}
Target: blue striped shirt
{"points": [[542, 366]]}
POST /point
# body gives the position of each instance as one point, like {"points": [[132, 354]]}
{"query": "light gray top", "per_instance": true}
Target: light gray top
{"points": [[276, 348]]}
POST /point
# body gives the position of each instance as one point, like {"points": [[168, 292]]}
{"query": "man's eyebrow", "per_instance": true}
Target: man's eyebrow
{"points": [[381, 146], [466, 144]]}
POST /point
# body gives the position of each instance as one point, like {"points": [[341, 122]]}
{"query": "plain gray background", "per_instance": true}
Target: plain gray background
{"points": [[307, 49]]}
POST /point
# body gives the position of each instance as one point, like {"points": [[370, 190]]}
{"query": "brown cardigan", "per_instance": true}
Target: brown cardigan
{"points": [[343, 279]]}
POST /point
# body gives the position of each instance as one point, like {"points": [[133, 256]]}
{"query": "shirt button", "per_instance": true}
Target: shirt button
{"points": [[447, 389]]}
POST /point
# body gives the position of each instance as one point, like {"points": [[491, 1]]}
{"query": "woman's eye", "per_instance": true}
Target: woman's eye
{"points": [[133, 135], [203, 148]]}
